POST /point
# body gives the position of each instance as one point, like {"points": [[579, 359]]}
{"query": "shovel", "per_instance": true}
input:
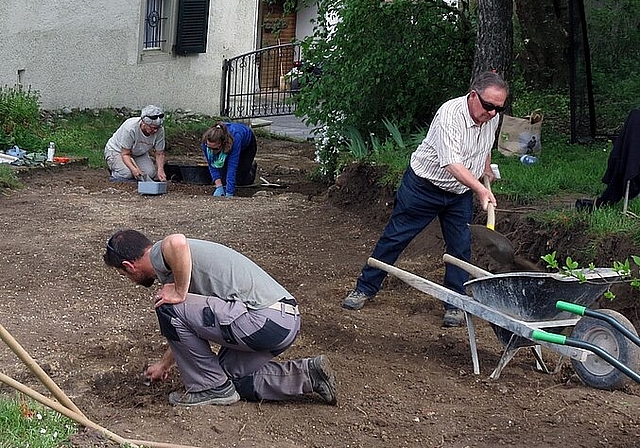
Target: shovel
{"points": [[497, 245]]}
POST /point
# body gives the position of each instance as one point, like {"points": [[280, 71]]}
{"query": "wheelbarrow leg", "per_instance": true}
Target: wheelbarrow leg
{"points": [[510, 351], [471, 329], [540, 364]]}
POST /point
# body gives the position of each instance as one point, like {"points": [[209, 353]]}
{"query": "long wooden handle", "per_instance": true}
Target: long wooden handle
{"points": [[473, 270], [37, 370], [81, 419], [491, 211]]}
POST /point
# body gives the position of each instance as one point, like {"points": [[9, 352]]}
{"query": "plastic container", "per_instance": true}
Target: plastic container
{"points": [[151, 187], [528, 159], [196, 174], [495, 170], [51, 151]]}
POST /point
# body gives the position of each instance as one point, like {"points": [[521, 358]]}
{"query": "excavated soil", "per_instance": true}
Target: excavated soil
{"points": [[403, 380]]}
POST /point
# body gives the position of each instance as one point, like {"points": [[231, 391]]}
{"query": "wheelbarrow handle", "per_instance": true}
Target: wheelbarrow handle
{"points": [[541, 335], [584, 311], [554, 338]]}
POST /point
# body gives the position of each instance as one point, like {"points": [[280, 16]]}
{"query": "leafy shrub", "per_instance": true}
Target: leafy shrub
{"points": [[20, 118], [398, 60]]}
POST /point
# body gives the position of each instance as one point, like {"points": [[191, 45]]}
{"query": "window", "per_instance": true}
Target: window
{"points": [[154, 26], [173, 27]]}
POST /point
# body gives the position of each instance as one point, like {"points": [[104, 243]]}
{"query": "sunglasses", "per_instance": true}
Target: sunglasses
{"points": [[115, 252], [155, 117], [488, 106]]}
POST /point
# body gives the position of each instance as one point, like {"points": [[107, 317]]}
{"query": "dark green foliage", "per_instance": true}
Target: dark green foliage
{"points": [[398, 60], [614, 41]]}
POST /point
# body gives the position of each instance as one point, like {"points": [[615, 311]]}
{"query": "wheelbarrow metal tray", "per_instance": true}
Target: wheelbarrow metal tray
{"points": [[532, 296]]}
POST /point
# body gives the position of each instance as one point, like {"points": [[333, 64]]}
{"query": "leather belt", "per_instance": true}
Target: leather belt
{"points": [[285, 308]]}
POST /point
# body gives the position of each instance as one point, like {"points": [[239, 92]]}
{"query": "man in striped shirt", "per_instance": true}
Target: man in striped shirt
{"points": [[444, 172]]}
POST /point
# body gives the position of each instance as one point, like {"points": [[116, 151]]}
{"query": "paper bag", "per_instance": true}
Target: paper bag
{"points": [[520, 135]]}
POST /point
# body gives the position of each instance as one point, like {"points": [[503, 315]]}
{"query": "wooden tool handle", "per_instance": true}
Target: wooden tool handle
{"points": [[473, 270], [491, 211], [37, 370]]}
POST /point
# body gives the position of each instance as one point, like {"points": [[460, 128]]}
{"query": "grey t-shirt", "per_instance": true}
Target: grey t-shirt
{"points": [[220, 271], [130, 136]]}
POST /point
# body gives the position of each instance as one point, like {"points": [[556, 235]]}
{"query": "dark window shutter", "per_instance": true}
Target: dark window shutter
{"points": [[193, 21]]}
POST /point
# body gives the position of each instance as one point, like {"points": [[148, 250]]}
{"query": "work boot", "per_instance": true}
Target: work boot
{"points": [[355, 300], [223, 395], [453, 318], [323, 380]]}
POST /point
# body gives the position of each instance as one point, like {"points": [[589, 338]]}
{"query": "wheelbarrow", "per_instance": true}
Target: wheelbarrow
{"points": [[521, 308]]}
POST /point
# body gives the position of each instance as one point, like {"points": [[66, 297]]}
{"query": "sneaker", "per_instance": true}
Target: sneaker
{"points": [[355, 300], [453, 318], [323, 380], [223, 395]]}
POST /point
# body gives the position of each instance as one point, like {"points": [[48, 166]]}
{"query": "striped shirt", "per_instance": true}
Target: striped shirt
{"points": [[454, 137]]}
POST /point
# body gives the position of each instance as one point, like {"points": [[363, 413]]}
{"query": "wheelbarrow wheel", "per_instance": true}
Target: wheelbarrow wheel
{"points": [[595, 371]]}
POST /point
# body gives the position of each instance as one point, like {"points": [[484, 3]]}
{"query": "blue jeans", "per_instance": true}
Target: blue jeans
{"points": [[418, 202]]}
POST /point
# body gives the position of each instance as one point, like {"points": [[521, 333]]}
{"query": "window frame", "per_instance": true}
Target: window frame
{"points": [[167, 33]]}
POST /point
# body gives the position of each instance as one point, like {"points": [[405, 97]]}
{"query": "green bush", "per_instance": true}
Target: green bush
{"points": [[398, 60], [20, 119]]}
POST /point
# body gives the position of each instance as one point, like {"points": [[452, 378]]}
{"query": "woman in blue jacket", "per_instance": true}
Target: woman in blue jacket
{"points": [[230, 149]]}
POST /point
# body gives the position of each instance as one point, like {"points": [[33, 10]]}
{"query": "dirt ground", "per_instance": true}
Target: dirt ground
{"points": [[403, 380]]}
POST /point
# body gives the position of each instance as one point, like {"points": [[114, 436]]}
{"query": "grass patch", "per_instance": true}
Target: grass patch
{"points": [[25, 423], [8, 178], [562, 168]]}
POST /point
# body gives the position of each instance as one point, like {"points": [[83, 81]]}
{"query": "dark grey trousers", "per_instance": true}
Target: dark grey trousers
{"points": [[248, 340]]}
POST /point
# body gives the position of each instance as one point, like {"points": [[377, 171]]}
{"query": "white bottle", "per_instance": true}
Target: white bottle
{"points": [[51, 151]]}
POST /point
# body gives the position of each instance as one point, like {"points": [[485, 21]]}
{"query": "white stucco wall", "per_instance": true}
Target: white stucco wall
{"points": [[79, 53], [304, 24]]}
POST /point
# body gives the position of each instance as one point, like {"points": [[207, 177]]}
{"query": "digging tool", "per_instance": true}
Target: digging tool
{"points": [[266, 183], [81, 419], [497, 245], [473, 270], [37, 370], [64, 405]]}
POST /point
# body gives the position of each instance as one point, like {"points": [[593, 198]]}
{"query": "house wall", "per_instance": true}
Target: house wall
{"points": [[79, 53], [304, 25]]}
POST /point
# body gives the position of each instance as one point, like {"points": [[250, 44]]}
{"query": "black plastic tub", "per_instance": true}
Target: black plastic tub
{"points": [[188, 173]]}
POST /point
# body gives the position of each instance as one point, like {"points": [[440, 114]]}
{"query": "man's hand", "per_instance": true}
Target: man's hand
{"points": [[168, 295], [159, 371]]}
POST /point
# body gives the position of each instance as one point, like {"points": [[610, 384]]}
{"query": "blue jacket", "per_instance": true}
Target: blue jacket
{"points": [[242, 135]]}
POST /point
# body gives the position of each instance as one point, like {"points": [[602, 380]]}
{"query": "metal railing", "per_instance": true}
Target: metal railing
{"points": [[258, 84]]}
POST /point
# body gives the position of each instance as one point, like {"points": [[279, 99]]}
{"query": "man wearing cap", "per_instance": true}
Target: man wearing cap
{"points": [[127, 151], [211, 293]]}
